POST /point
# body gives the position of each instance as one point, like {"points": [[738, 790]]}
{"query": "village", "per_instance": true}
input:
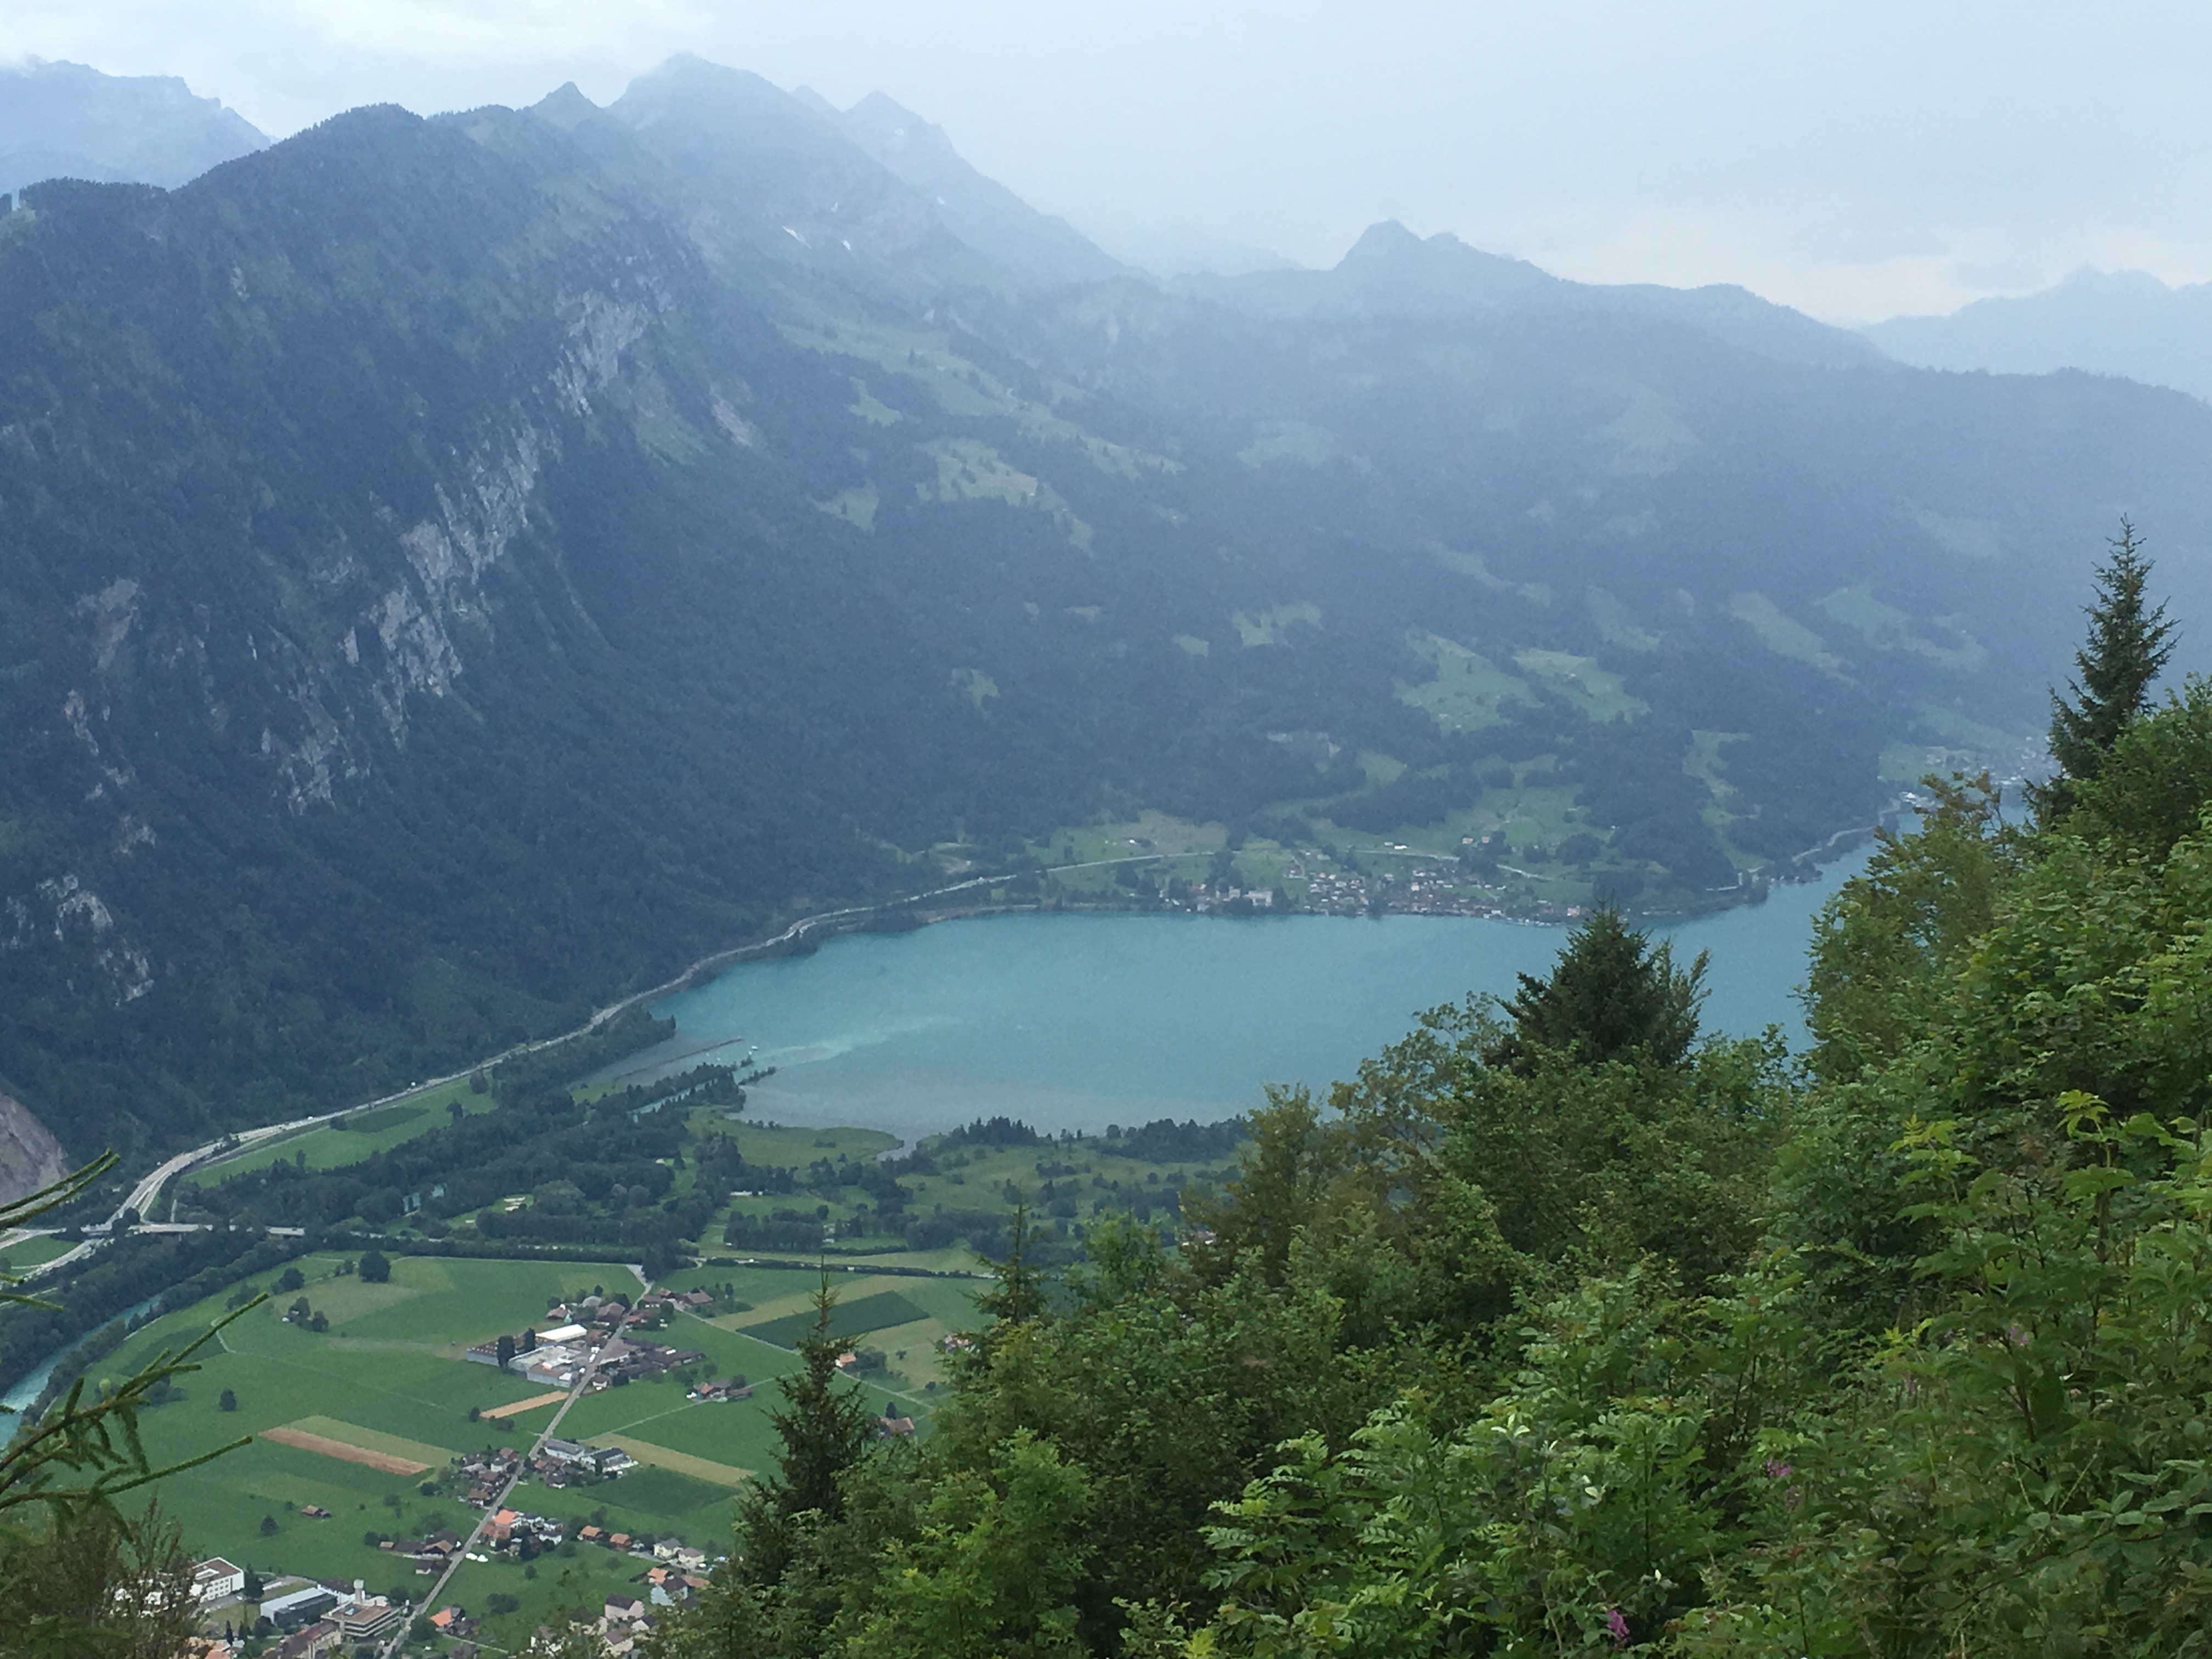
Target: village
{"points": [[309, 1619], [584, 1336], [599, 1338]]}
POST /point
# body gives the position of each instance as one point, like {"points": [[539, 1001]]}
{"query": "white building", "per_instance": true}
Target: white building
{"points": [[216, 1578], [550, 1363], [369, 1617]]}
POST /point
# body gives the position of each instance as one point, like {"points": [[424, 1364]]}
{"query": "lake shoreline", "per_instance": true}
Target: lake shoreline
{"points": [[1084, 1016]]}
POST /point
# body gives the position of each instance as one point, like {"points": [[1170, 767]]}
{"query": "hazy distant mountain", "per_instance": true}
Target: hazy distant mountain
{"points": [[1038, 248], [2122, 322], [453, 570], [67, 121], [1391, 272], [1185, 250], [779, 173]]}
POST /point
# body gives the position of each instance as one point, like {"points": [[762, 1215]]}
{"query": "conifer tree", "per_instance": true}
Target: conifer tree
{"points": [[1018, 1295], [1611, 995], [824, 1423], [2129, 643]]}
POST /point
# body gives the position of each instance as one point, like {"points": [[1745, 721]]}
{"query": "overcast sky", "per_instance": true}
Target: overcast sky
{"points": [[1857, 159]]}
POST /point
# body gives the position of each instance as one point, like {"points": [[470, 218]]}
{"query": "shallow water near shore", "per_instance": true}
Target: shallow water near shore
{"points": [[1078, 1021]]}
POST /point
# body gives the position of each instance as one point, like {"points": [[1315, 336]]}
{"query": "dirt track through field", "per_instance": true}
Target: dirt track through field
{"points": [[338, 1449], [699, 1468], [529, 1404]]}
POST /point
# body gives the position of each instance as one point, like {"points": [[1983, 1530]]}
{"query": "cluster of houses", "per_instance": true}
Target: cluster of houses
{"points": [[1231, 896], [518, 1532], [453, 1621], [571, 1463], [1428, 888], [314, 1620], [721, 1388], [625, 1620], [678, 1576], [671, 1553], [428, 1554], [556, 1357], [642, 1362], [485, 1475], [552, 1357], [657, 1306], [308, 1621]]}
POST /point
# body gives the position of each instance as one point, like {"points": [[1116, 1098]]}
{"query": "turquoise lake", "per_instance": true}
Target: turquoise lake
{"points": [[1075, 1022]]}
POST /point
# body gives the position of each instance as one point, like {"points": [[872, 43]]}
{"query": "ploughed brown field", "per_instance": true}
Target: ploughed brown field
{"points": [[328, 1448]]}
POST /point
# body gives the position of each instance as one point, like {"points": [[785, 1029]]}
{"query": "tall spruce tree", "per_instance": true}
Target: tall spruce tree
{"points": [[825, 1424], [1017, 1294], [1613, 995], [2129, 643]]}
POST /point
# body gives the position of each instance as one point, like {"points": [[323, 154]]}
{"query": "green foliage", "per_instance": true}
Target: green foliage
{"points": [[1581, 1502], [375, 1266], [95, 1586], [1894, 938], [2153, 782], [77, 1576], [990, 1568]]}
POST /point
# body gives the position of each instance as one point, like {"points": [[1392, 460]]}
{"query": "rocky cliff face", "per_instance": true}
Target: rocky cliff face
{"points": [[30, 1156]]}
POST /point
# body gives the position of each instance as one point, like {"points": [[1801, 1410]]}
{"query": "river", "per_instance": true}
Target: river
{"points": [[20, 1398], [1078, 1021]]}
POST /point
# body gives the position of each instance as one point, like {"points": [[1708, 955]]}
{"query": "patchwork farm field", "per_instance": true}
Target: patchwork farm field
{"points": [[356, 1419], [388, 1378]]}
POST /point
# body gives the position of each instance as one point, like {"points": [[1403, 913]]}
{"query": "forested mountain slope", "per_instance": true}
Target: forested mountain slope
{"points": [[453, 571]]}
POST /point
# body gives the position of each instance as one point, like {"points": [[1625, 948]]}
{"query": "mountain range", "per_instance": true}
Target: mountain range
{"points": [[2125, 323], [454, 571], [67, 120]]}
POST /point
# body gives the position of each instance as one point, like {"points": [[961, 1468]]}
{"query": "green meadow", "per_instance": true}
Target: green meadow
{"points": [[390, 1375], [391, 1365], [355, 1137], [577, 1578], [30, 1252]]}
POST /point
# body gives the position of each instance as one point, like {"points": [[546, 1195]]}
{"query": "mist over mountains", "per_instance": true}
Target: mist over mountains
{"points": [[2127, 323], [65, 120], [454, 571]]}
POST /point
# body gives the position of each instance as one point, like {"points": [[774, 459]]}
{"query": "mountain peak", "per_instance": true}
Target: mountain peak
{"points": [[1433, 276], [565, 107], [1386, 238], [1035, 248], [880, 124]]}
